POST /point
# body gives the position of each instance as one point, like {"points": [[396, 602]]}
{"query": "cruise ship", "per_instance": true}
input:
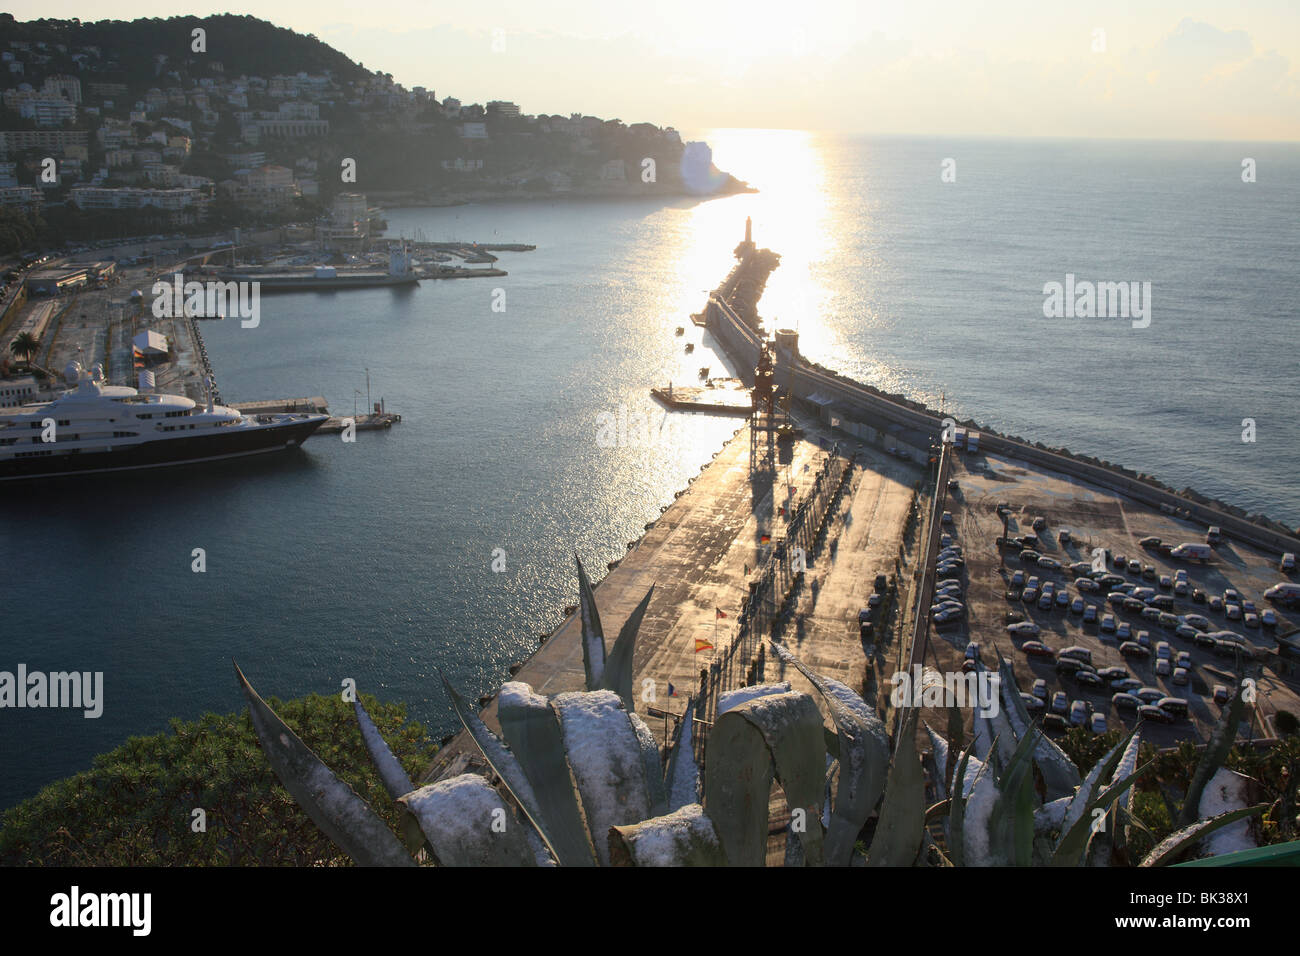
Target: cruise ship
{"points": [[97, 427]]}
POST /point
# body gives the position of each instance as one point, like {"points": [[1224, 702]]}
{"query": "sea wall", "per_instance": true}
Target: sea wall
{"points": [[743, 345]]}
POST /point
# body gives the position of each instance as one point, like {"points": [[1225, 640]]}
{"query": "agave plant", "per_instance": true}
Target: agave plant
{"points": [[995, 816], [582, 781]]}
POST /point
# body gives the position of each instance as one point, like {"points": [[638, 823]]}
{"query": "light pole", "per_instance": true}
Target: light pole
{"points": [[368, 405], [355, 393]]}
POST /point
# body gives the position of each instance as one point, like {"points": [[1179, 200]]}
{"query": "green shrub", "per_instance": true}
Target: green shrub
{"points": [[135, 806]]}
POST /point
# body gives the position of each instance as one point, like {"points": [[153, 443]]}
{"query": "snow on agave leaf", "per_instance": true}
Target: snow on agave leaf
{"points": [[1060, 775], [980, 793], [685, 837], [1079, 803], [532, 730], [467, 824], [864, 759], [731, 699], [342, 815], [606, 758], [775, 735]]}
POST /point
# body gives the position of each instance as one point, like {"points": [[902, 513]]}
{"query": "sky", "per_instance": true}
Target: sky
{"points": [[1156, 69]]}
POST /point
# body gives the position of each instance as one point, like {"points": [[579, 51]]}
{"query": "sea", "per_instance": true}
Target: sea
{"points": [[445, 545]]}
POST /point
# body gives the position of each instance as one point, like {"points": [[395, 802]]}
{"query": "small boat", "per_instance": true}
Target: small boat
{"points": [[690, 347], [680, 330]]}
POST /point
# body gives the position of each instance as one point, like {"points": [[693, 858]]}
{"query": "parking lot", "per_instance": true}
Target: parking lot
{"points": [[1002, 585]]}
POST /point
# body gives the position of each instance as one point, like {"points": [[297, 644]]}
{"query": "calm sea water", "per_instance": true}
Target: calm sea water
{"points": [[374, 560]]}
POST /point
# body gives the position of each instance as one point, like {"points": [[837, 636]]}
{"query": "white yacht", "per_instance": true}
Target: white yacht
{"points": [[97, 427]]}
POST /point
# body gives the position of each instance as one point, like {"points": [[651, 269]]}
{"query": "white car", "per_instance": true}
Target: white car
{"points": [[1123, 631], [1024, 629], [1098, 723]]}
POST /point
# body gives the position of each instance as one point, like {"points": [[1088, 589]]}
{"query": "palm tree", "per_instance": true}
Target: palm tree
{"points": [[25, 345]]}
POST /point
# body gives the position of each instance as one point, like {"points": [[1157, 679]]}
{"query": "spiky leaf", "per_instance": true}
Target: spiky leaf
{"points": [[532, 731], [902, 813], [1216, 752], [1171, 846], [593, 635], [685, 837], [467, 824], [343, 816]]}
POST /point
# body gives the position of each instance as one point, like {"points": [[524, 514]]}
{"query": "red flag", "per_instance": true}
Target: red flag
{"points": [[719, 612], [765, 539]]}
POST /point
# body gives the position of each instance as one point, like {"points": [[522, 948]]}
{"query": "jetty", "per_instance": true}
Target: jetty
{"points": [[722, 396]]}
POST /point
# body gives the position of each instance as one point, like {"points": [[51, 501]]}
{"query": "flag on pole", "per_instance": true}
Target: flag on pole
{"points": [[672, 691], [764, 539], [718, 611], [702, 645], [746, 570]]}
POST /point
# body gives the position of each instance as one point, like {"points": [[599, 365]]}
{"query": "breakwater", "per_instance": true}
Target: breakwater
{"points": [[743, 340]]}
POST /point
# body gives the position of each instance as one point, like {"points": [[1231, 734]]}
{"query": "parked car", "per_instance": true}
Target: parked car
{"points": [[1144, 638], [1108, 623], [1164, 668], [1040, 689], [1076, 606], [1090, 614], [1049, 564], [1088, 678], [1018, 579], [1031, 702], [1180, 675], [1155, 714], [1135, 567], [1113, 673], [1214, 603], [1054, 723], [1123, 631], [1122, 700], [1150, 542], [1196, 621], [1078, 653], [1221, 694], [1198, 596], [1037, 649], [1068, 666], [1028, 555], [1173, 705], [1133, 649], [973, 651], [1029, 595], [1098, 724], [1060, 703], [1078, 713], [1149, 694], [1125, 685], [1086, 584], [1062, 598]]}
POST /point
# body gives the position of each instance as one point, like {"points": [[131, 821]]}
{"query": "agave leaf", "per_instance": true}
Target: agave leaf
{"points": [[901, 826], [777, 734], [605, 755], [685, 837], [391, 771], [467, 824], [682, 779], [1011, 824], [1051, 815], [957, 812], [656, 792], [1171, 846], [939, 759], [1086, 789], [956, 741], [980, 801], [593, 635], [618, 666], [863, 755], [1216, 752], [1075, 841], [343, 815], [532, 732], [1060, 775], [504, 763]]}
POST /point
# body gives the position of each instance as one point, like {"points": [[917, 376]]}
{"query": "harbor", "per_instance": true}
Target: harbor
{"points": [[873, 497]]}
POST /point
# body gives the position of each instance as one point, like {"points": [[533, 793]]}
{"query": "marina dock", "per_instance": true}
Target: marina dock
{"points": [[728, 396]]}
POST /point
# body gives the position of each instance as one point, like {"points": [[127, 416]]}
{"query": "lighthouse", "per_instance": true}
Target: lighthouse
{"points": [[747, 247]]}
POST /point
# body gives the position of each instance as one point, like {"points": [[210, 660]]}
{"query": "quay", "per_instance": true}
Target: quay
{"points": [[726, 396], [316, 405]]}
